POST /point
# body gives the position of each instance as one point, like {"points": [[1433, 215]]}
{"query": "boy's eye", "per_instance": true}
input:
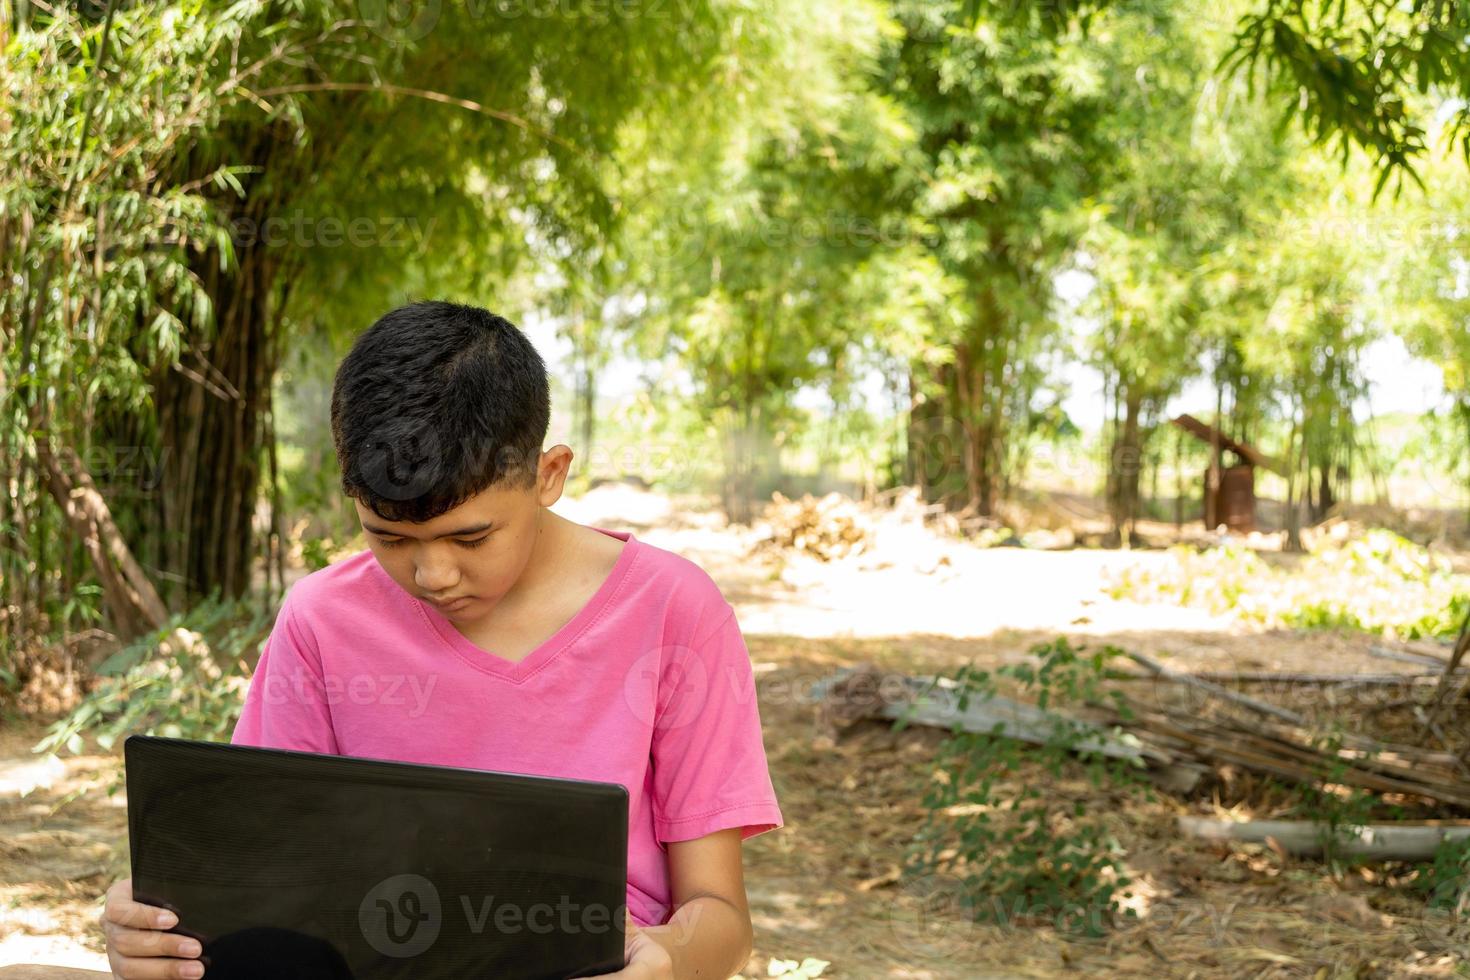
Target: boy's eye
{"points": [[394, 542]]}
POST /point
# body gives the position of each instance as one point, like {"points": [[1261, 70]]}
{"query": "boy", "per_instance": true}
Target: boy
{"points": [[482, 630]]}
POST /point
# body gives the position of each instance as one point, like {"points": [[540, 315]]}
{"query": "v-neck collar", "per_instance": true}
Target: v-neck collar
{"points": [[518, 671]]}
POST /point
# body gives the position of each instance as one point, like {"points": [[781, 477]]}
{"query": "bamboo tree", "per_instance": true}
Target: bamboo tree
{"points": [[1006, 101], [140, 259]]}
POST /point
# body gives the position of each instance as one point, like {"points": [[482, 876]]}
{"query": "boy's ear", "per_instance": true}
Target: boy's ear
{"points": [[551, 474]]}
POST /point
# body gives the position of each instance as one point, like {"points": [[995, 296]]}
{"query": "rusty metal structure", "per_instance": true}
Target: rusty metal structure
{"points": [[1229, 491]]}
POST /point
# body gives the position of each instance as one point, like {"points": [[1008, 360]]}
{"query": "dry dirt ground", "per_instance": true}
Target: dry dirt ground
{"points": [[826, 885]]}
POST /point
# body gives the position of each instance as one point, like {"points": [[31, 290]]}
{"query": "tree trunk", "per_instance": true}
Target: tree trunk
{"points": [[132, 602], [1293, 463], [212, 410], [738, 486], [1178, 479], [1213, 478], [935, 448], [1125, 461], [1123, 472], [587, 401], [1325, 499], [979, 426], [211, 407], [584, 353]]}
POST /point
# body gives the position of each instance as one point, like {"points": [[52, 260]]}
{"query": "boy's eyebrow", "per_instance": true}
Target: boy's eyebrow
{"points": [[475, 529]]}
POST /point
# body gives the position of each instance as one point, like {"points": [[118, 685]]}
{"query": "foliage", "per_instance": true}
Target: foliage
{"points": [[185, 680], [96, 286], [1216, 578], [766, 206], [1358, 71], [1394, 584], [1425, 302], [780, 253], [1445, 880], [1196, 179], [315, 553], [1338, 810], [1021, 851], [1009, 105], [1379, 583], [187, 188]]}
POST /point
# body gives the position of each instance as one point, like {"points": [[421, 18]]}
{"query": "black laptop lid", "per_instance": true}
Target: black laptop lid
{"points": [[298, 865]]}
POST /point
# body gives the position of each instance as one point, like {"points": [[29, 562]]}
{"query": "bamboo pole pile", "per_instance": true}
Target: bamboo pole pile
{"points": [[826, 528], [1172, 741]]}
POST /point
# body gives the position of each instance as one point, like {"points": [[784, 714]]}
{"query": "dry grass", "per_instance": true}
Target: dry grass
{"points": [[828, 884]]}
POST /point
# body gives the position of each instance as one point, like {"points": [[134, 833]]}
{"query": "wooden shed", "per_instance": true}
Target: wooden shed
{"points": [[1230, 498]]}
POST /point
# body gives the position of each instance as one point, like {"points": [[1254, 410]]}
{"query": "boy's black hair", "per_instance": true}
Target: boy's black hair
{"points": [[434, 403]]}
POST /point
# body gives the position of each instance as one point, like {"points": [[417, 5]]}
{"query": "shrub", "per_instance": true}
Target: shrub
{"points": [[1021, 853], [185, 680]]}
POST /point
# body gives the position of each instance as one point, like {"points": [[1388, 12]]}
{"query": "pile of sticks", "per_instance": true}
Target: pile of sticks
{"points": [[1278, 742], [1177, 744], [826, 528]]}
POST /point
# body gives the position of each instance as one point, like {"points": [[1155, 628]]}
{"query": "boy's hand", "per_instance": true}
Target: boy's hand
{"points": [[645, 958], [137, 946]]}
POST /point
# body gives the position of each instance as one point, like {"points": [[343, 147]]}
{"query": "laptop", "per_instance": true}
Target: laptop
{"points": [[304, 866]]}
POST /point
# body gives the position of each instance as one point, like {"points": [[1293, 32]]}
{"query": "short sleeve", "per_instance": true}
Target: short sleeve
{"points": [[708, 757], [287, 705]]}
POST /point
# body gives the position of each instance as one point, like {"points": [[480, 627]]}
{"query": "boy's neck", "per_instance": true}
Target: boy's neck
{"points": [[549, 554]]}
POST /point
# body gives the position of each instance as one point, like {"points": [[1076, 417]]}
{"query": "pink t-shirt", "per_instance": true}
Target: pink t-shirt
{"points": [[649, 685]]}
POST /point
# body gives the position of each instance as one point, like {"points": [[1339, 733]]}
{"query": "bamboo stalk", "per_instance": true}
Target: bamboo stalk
{"points": [[1153, 666], [1407, 656], [1395, 842], [1219, 750], [1462, 643], [1269, 677]]}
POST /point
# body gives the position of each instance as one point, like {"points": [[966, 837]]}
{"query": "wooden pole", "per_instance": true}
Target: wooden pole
{"points": [[1385, 842]]}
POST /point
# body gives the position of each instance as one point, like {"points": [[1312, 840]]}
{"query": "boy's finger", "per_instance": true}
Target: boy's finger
{"points": [[151, 942], [136, 915], [156, 969]]}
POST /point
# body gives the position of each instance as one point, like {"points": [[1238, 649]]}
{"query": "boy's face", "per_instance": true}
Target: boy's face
{"points": [[466, 559]]}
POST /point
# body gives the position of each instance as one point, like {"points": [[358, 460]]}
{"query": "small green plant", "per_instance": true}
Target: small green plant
{"points": [[316, 553], [1439, 623], [1021, 853], [1378, 583], [1215, 578], [187, 679], [83, 605], [992, 537], [1445, 881], [1337, 815]]}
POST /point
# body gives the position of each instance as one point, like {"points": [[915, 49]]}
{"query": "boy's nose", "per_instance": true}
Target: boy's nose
{"points": [[436, 579]]}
